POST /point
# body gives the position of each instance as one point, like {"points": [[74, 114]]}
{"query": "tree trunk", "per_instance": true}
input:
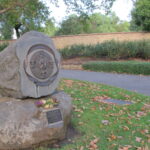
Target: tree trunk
{"points": [[17, 26]]}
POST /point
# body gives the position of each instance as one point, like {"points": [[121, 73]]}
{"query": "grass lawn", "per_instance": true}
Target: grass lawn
{"points": [[103, 126]]}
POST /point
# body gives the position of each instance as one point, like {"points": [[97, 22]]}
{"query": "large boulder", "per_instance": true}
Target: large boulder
{"points": [[24, 125], [29, 67]]}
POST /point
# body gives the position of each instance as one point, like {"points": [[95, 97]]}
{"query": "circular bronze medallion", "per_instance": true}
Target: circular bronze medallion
{"points": [[41, 65]]}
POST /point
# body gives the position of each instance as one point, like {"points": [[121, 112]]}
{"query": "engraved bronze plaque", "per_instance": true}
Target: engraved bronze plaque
{"points": [[54, 116], [41, 65]]}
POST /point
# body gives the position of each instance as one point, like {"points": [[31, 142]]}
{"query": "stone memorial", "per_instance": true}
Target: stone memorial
{"points": [[29, 76], [29, 67]]}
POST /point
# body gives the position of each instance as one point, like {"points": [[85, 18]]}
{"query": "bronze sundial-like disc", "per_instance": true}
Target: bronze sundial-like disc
{"points": [[41, 65]]}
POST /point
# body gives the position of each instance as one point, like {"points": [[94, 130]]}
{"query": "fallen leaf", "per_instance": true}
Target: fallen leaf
{"points": [[68, 83], [93, 108], [93, 145], [127, 96], [125, 128], [80, 123], [145, 131], [125, 147], [140, 114], [111, 137], [82, 148], [105, 122], [138, 139]]}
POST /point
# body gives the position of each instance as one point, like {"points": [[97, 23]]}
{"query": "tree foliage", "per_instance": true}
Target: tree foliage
{"points": [[23, 19], [141, 15], [25, 15], [95, 23], [80, 6], [9, 5], [50, 27]]}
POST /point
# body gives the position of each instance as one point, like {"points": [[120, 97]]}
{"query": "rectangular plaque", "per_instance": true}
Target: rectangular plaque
{"points": [[54, 116]]}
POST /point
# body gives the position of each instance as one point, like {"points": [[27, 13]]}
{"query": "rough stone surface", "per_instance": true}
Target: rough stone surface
{"points": [[29, 67], [23, 124]]}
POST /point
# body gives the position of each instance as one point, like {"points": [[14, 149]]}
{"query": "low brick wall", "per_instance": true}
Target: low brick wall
{"points": [[63, 41]]}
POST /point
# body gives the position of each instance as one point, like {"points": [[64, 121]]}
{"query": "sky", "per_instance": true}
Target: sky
{"points": [[122, 8]]}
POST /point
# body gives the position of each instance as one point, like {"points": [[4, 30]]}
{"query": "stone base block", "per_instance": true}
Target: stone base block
{"points": [[24, 125]]}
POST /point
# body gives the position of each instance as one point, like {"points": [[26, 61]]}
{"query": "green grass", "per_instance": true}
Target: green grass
{"points": [[130, 67], [124, 125], [110, 49]]}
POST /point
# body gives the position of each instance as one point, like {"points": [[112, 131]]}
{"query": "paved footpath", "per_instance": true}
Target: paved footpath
{"points": [[137, 83]]}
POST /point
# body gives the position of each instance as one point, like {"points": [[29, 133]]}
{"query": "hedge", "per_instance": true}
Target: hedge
{"points": [[131, 67], [110, 49]]}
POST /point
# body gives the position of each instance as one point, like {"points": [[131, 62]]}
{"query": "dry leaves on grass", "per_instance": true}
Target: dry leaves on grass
{"points": [[140, 114], [105, 122], [82, 148], [69, 83], [143, 148], [125, 128], [138, 139], [145, 131], [127, 147], [93, 144], [111, 137]]}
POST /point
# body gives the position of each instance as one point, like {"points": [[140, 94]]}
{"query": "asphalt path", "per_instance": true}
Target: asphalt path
{"points": [[136, 83]]}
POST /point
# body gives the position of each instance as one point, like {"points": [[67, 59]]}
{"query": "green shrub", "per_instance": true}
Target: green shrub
{"points": [[131, 67], [3, 46], [110, 49]]}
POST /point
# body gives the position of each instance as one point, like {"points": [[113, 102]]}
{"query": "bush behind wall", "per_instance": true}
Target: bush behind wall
{"points": [[110, 49]]}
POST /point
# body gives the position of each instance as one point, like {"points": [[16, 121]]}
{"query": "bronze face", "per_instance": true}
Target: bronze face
{"points": [[41, 65]]}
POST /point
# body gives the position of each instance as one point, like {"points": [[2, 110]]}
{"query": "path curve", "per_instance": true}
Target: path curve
{"points": [[137, 83]]}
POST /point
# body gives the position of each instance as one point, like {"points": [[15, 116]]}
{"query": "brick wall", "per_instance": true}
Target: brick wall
{"points": [[63, 41]]}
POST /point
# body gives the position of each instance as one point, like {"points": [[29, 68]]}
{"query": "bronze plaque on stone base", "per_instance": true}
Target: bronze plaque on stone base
{"points": [[54, 117]]}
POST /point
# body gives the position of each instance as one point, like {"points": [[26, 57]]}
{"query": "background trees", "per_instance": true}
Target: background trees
{"points": [[25, 15], [9, 5], [141, 15], [95, 23], [80, 6], [22, 19]]}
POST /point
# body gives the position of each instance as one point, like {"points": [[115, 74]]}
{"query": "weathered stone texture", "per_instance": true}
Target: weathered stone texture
{"points": [[20, 77], [23, 124], [9, 72]]}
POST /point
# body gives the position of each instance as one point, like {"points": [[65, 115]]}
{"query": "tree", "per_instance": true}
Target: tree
{"points": [[141, 15], [31, 17], [95, 23], [72, 25], [50, 28], [6, 31], [8, 5], [80, 6], [25, 15]]}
